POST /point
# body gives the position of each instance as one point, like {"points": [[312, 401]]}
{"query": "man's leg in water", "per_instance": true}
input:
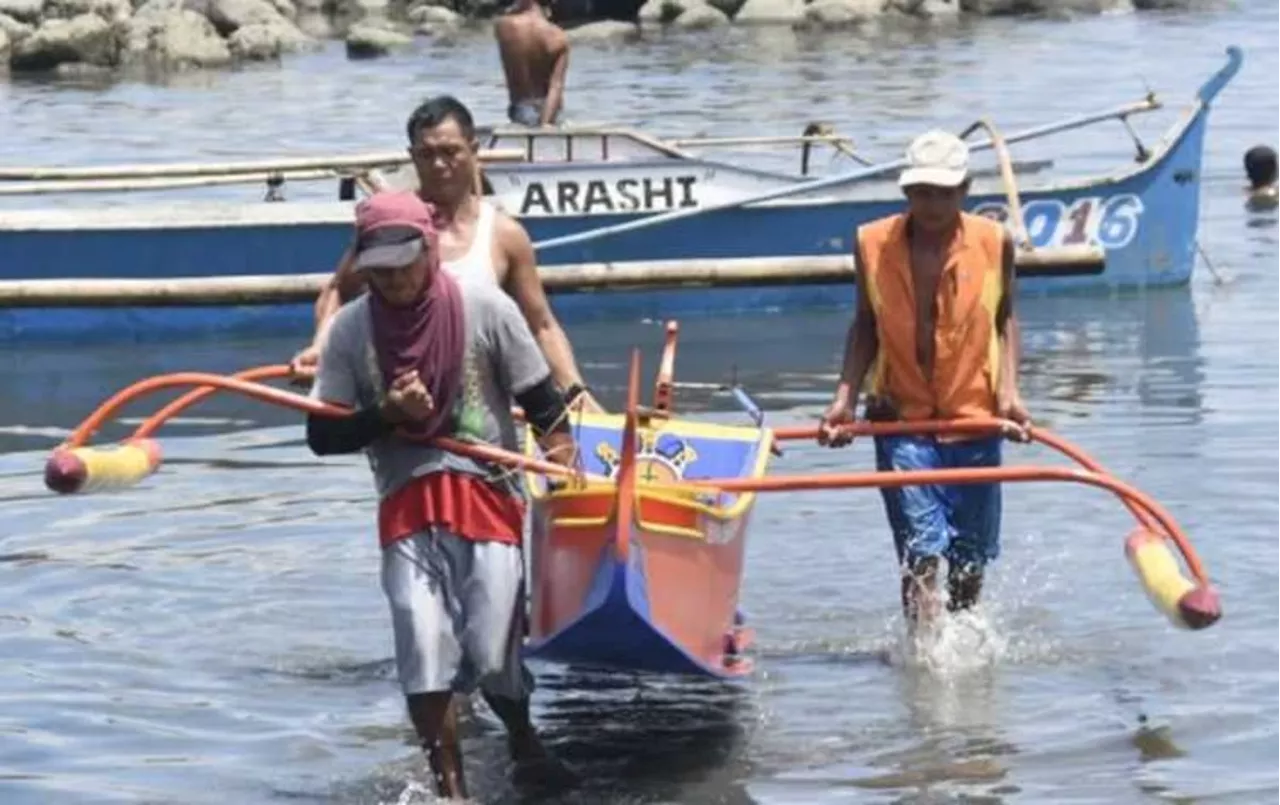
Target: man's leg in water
{"points": [[975, 517], [917, 515], [418, 579], [435, 719], [492, 640]]}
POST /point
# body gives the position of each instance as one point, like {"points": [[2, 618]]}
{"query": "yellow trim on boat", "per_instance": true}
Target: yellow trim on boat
{"points": [[665, 492]]}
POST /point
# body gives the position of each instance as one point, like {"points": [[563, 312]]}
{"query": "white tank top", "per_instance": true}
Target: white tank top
{"points": [[477, 263]]}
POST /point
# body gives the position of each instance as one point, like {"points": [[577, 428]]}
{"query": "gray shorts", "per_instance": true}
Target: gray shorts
{"points": [[528, 112], [457, 611]]}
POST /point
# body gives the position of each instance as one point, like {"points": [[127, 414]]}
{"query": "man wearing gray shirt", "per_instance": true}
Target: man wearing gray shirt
{"points": [[426, 355]]}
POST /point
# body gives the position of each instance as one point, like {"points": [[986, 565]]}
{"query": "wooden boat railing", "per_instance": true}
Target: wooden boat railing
{"points": [[355, 169]]}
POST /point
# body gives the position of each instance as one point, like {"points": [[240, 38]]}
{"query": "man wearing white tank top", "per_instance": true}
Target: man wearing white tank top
{"points": [[477, 242]]}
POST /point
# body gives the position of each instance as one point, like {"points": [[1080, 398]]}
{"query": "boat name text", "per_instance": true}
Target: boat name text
{"points": [[597, 195], [1110, 222]]}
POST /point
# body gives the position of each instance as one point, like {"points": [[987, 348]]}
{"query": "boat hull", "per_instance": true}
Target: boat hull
{"points": [[655, 590]]}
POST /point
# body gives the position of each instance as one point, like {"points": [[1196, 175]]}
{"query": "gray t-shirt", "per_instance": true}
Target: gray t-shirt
{"points": [[502, 360]]}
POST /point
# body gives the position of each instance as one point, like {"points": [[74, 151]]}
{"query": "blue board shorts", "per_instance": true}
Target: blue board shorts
{"points": [[961, 522]]}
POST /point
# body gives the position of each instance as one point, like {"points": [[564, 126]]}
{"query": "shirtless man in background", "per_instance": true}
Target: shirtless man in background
{"points": [[535, 58]]}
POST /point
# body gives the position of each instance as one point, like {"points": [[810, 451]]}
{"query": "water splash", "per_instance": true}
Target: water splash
{"points": [[414, 793], [955, 644]]}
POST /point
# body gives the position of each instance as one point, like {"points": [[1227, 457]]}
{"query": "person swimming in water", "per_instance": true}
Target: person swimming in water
{"points": [[535, 59], [1260, 167]]}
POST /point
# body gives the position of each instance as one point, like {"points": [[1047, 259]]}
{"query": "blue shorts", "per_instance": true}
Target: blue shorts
{"points": [[960, 522]]}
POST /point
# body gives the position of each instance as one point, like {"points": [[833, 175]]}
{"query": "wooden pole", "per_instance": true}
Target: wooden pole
{"points": [[577, 278], [285, 166], [165, 183]]}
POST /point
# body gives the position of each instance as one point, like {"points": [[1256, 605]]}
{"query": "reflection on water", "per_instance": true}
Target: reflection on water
{"points": [[1141, 344], [656, 739]]}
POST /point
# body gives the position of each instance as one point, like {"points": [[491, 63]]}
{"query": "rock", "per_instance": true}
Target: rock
{"points": [[174, 38], [22, 10], [229, 15], [366, 40], [665, 11], [726, 7], [80, 70], [261, 41], [315, 25], [439, 34], [113, 11], [435, 16], [87, 38], [926, 9], [157, 8], [361, 9], [700, 18], [1058, 8], [832, 14], [605, 31], [1001, 8], [13, 29], [4, 46], [769, 12], [285, 8]]}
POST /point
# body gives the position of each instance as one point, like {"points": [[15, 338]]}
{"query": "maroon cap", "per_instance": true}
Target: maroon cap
{"points": [[392, 229]]}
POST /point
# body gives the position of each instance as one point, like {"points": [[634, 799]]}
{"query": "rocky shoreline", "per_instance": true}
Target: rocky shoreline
{"points": [[73, 37]]}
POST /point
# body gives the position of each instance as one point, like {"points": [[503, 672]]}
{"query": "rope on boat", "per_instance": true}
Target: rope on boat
{"points": [[1189, 603]]}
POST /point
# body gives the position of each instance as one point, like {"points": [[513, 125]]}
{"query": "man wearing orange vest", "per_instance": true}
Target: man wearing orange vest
{"points": [[936, 337]]}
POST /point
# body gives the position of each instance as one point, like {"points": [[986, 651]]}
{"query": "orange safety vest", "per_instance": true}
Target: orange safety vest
{"points": [[966, 365]]}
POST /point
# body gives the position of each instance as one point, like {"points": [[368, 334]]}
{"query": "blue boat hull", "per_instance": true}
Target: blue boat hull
{"points": [[1145, 219]]}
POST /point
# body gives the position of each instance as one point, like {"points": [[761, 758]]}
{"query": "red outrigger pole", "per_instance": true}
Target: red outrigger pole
{"points": [[1191, 603]]}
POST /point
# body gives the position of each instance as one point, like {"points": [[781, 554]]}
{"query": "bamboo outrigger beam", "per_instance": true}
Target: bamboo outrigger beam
{"points": [[574, 278], [1188, 603], [254, 168], [162, 183]]}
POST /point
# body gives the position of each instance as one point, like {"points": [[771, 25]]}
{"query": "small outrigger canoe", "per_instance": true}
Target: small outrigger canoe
{"points": [[638, 552], [628, 575]]}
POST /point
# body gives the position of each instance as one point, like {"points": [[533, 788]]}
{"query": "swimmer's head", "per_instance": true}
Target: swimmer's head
{"points": [[1260, 166]]}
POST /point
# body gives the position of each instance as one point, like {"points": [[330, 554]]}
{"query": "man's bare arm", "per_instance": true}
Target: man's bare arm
{"points": [[1007, 322], [525, 287], [555, 87], [861, 343], [342, 284]]}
